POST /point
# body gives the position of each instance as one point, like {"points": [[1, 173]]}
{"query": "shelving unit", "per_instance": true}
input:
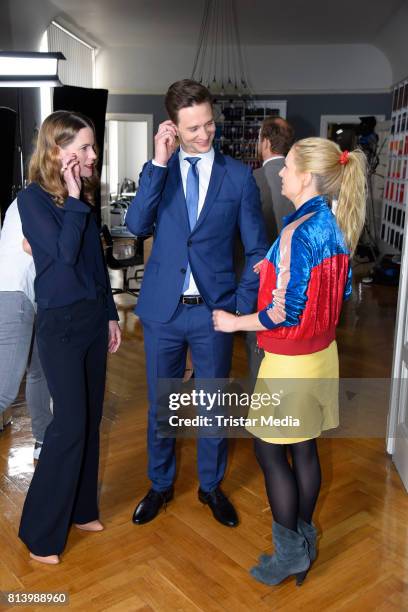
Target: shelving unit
{"points": [[238, 122], [396, 182]]}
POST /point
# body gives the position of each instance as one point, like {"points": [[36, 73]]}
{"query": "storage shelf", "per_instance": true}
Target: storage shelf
{"points": [[238, 123], [396, 180]]}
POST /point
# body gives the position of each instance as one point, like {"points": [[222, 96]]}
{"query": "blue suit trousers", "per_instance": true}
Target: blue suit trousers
{"points": [[166, 348]]}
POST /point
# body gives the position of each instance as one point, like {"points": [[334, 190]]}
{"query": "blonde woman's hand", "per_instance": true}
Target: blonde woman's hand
{"points": [[115, 336], [257, 267], [70, 171], [224, 321], [26, 247]]}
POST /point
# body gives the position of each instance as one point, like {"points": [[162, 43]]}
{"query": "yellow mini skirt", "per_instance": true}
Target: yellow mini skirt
{"points": [[303, 396]]}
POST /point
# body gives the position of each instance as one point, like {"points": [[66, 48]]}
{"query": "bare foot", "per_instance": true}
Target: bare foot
{"points": [[92, 526], [50, 560]]}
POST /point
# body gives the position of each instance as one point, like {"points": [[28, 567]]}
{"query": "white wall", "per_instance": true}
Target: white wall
{"points": [[319, 68], [283, 68], [393, 41], [23, 22], [142, 70]]}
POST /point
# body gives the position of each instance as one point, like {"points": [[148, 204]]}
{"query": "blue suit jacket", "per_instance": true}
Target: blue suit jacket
{"points": [[232, 203]]}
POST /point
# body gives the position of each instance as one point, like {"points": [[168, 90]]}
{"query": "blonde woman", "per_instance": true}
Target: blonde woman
{"points": [[304, 278], [76, 325]]}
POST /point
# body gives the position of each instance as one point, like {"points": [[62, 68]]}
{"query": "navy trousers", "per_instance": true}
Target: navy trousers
{"points": [[72, 343], [166, 348]]}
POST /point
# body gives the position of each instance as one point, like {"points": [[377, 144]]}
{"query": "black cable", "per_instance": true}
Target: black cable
{"points": [[13, 110], [211, 63], [216, 39], [240, 57], [201, 37], [233, 44], [204, 44], [222, 38], [229, 46]]}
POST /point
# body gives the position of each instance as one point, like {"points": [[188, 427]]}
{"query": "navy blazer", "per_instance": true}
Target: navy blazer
{"points": [[66, 248], [232, 204]]}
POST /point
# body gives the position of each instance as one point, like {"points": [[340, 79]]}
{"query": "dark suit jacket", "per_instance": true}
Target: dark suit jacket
{"points": [[275, 206], [66, 248], [232, 203]]}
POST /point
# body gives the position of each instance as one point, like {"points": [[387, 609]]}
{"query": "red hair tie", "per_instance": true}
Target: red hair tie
{"points": [[344, 158]]}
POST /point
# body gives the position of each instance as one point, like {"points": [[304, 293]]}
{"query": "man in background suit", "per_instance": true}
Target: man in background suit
{"points": [[276, 137], [194, 200]]}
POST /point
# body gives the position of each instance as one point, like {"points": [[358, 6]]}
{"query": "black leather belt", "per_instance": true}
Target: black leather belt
{"points": [[191, 299]]}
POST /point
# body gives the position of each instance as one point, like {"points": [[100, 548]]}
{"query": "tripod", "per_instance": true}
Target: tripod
{"points": [[368, 242]]}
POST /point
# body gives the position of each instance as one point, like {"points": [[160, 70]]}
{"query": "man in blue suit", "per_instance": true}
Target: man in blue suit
{"points": [[194, 200]]}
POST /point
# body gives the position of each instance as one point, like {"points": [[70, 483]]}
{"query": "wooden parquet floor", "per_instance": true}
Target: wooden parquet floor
{"points": [[186, 561]]}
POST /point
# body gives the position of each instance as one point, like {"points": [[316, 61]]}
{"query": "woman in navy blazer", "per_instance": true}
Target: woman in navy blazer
{"points": [[77, 324]]}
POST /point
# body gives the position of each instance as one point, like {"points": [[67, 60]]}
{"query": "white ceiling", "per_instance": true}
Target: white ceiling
{"points": [[138, 22]]}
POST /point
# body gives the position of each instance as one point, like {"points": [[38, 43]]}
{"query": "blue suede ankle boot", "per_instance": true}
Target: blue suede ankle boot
{"points": [[309, 531], [291, 558]]}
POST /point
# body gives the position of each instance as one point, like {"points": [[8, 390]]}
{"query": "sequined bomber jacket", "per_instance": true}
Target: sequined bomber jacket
{"points": [[304, 279]]}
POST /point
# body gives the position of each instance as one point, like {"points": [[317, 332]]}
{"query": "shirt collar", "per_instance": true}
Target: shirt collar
{"points": [[312, 205], [272, 158], [209, 156]]}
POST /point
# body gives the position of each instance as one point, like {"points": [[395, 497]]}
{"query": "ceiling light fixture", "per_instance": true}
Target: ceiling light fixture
{"points": [[219, 63]]}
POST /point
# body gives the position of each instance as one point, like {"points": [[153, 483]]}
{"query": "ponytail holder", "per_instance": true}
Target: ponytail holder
{"points": [[344, 158]]}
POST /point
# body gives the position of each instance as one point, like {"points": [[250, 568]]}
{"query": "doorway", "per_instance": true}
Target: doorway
{"points": [[327, 121], [128, 145]]}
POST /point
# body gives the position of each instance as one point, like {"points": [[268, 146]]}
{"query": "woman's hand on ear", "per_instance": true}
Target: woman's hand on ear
{"points": [[70, 171]]}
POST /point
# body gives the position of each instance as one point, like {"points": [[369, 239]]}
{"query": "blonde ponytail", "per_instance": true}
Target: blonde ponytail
{"points": [[338, 175], [351, 205]]}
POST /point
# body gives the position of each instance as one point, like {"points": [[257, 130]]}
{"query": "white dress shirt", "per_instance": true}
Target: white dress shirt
{"points": [[204, 168], [17, 270]]}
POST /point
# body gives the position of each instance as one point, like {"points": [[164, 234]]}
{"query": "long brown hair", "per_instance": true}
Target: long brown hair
{"points": [[339, 177], [58, 130]]}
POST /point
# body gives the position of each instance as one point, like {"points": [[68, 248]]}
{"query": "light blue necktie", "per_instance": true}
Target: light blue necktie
{"points": [[192, 191]]}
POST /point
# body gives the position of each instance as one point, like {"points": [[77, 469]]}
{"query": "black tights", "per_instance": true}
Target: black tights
{"points": [[292, 490]]}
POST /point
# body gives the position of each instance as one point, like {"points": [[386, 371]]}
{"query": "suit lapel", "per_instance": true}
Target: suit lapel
{"points": [[217, 176], [176, 187]]}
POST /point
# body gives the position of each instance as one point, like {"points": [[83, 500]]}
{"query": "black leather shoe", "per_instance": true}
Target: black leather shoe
{"points": [[220, 506], [149, 507]]}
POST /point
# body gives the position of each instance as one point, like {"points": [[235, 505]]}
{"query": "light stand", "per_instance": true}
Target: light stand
{"points": [[27, 69]]}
